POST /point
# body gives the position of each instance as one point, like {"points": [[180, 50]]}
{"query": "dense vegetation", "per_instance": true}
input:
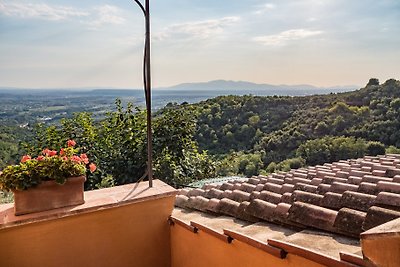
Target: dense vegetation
{"points": [[226, 135], [117, 144], [253, 134]]}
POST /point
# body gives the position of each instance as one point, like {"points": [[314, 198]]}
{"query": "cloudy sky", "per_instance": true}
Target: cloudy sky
{"points": [[59, 43]]}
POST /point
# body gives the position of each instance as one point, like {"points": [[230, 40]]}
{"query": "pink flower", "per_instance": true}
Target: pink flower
{"points": [[39, 158], [25, 158], [52, 153], [46, 152], [84, 158], [64, 158], [71, 143], [76, 159], [62, 152], [92, 167]]}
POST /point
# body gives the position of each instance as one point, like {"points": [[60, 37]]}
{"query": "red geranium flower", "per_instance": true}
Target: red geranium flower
{"points": [[76, 159], [62, 152], [71, 143], [92, 167], [52, 153], [25, 158], [40, 158], [46, 151], [84, 158]]}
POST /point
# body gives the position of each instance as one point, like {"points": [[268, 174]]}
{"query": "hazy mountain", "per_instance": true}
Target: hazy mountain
{"points": [[242, 86], [197, 91]]}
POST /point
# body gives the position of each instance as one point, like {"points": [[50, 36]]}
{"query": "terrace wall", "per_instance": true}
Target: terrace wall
{"points": [[110, 229]]}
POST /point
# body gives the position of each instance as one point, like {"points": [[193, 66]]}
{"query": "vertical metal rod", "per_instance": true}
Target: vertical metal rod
{"points": [[148, 97]]}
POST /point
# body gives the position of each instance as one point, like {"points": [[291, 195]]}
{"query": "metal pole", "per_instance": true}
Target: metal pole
{"points": [[148, 96]]}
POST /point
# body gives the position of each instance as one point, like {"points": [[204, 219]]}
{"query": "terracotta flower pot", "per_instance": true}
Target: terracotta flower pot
{"points": [[49, 195]]}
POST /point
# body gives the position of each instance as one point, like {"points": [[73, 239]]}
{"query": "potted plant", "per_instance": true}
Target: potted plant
{"points": [[51, 180]]}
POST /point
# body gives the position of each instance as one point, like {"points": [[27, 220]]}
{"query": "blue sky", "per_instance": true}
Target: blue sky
{"points": [[58, 43]]}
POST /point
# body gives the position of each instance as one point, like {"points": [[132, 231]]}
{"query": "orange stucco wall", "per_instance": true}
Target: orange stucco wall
{"points": [[201, 249], [136, 234], [383, 250]]}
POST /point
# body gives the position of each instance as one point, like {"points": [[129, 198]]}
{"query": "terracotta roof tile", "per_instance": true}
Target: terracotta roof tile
{"points": [[270, 197], [396, 179], [239, 196], [350, 221], [357, 201], [358, 173], [286, 198], [259, 188], [276, 181], [300, 186], [316, 181], [379, 173], [288, 180], [214, 193], [181, 200], [342, 174], [208, 186], [332, 201], [183, 191], [287, 188], [254, 195], [324, 173], [377, 216], [312, 215], [375, 179], [354, 180], [227, 194], [261, 209], [278, 175], [226, 186], [311, 188], [253, 181], [366, 169], [368, 188], [228, 207], [196, 192], [236, 186], [212, 205], [346, 197], [299, 175], [276, 188], [307, 197], [388, 200], [331, 179], [388, 187], [247, 187], [243, 215], [338, 187], [198, 203], [323, 188], [379, 167]]}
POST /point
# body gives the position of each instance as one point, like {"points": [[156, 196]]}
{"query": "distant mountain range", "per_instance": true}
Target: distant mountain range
{"points": [[210, 89], [222, 85]]}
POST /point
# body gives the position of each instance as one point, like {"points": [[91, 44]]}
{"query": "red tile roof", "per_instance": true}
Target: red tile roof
{"points": [[346, 197]]}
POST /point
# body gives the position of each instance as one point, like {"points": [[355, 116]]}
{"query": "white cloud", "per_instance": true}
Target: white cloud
{"points": [[286, 36], [94, 17], [265, 8], [107, 14], [197, 29], [40, 11]]}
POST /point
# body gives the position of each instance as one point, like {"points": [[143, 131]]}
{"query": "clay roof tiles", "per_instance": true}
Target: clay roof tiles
{"points": [[345, 197]]}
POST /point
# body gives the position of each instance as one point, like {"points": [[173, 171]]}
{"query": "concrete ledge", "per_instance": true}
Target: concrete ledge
{"points": [[94, 201], [309, 254]]}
